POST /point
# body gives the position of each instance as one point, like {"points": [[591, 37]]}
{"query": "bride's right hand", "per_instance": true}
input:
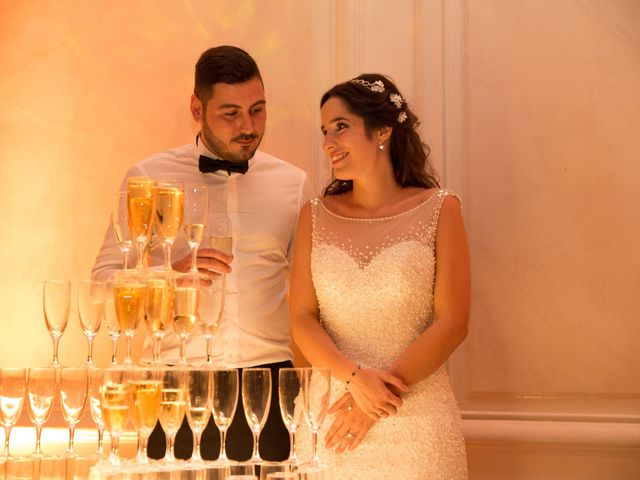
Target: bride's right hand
{"points": [[370, 390]]}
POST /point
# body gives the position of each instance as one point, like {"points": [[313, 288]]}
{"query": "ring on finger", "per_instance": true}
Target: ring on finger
{"points": [[350, 436]]}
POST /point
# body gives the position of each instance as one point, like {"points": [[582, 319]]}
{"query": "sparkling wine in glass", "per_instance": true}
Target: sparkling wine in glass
{"points": [[115, 403], [120, 222], [173, 406], [196, 202], [185, 308], [145, 387], [291, 401], [12, 388], [199, 384], [91, 297], [96, 379], [223, 403], [74, 385], [41, 391], [316, 392], [111, 319], [130, 298], [256, 398], [159, 308], [211, 303], [56, 302], [141, 198], [168, 215]]}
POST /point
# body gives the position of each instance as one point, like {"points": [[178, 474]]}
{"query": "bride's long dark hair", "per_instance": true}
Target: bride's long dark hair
{"points": [[409, 155]]}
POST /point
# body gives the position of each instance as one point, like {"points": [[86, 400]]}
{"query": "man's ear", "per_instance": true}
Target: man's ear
{"points": [[196, 108]]}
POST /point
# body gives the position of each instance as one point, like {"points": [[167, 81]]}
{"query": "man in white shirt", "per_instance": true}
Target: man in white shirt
{"points": [[262, 196]]}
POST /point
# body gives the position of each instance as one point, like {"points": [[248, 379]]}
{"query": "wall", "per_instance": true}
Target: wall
{"points": [[531, 111]]}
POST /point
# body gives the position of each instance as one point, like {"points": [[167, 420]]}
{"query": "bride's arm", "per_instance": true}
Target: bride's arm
{"points": [[367, 386], [451, 301]]}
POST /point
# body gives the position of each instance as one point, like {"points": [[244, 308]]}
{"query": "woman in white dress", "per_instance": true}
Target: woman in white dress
{"points": [[380, 291]]}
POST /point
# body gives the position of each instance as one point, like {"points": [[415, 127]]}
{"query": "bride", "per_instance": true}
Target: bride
{"points": [[380, 291]]}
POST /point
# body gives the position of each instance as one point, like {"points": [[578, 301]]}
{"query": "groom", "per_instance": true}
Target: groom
{"points": [[262, 196]]}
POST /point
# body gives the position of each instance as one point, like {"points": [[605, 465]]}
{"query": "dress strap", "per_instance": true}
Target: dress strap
{"points": [[314, 219], [440, 196]]}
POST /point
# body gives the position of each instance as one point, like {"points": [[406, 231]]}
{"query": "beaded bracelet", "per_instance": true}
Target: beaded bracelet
{"points": [[353, 374]]}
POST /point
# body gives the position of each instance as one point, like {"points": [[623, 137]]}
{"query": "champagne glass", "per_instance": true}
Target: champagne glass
{"points": [[41, 390], [196, 201], [159, 308], [111, 319], [129, 296], [56, 301], [220, 236], [168, 214], [256, 397], [115, 402], [12, 386], [291, 405], [96, 379], [91, 297], [316, 391], [119, 219], [185, 308], [173, 406], [74, 384], [223, 403], [199, 405], [211, 304], [145, 387], [141, 199]]}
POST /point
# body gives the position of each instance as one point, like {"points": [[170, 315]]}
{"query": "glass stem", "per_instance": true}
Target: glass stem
{"points": [[100, 449], [223, 446], [90, 354], [7, 434], [56, 340], [157, 345], [114, 349], [292, 452], [194, 259], [209, 347], [183, 350], [167, 256], [142, 448], [195, 456], [314, 443], [115, 445], [72, 431], [126, 258], [140, 245], [170, 456], [256, 451], [127, 358], [38, 451]]}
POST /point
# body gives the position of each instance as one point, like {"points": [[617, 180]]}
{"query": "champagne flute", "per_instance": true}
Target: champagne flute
{"points": [[223, 403], [211, 304], [196, 201], [12, 387], [114, 402], [96, 379], [316, 391], [168, 215], [199, 405], [185, 308], [159, 308], [91, 297], [111, 319], [145, 387], [140, 207], [220, 236], [56, 302], [291, 405], [41, 390], [74, 384], [256, 398], [173, 406], [119, 219], [129, 296]]}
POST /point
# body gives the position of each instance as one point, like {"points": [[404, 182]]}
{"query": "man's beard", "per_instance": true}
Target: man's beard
{"points": [[219, 148]]}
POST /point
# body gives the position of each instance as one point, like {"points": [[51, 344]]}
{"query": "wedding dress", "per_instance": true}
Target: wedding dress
{"points": [[374, 280]]}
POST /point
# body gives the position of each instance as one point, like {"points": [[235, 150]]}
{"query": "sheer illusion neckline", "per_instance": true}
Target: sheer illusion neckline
{"points": [[379, 219]]}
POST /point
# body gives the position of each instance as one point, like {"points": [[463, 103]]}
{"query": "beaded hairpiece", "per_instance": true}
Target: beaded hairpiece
{"points": [[378, 87]]}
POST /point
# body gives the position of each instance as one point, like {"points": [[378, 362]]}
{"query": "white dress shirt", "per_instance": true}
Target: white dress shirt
{"points": [[263, 206]]}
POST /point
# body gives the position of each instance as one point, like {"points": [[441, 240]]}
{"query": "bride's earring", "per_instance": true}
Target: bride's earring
{"points": [[381, 146]]}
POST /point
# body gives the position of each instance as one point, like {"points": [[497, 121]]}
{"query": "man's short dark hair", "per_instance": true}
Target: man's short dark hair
{"points": [[223, 64]]}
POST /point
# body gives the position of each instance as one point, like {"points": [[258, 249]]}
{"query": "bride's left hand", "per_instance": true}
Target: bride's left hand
{"points": [[349, 427]]}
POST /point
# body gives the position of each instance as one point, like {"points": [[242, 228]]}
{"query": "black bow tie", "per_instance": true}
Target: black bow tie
{"points": [[208, 165]]}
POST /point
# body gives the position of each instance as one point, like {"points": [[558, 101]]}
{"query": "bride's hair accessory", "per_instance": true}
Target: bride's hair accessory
{"points": [[378, 87]]}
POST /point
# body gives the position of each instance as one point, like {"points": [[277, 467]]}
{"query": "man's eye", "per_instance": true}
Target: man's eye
{"points": [[230, 114], [255, 111]]}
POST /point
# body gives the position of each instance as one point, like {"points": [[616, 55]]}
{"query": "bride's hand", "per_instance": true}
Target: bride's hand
{"points": [[370, 390], [349, 427]]}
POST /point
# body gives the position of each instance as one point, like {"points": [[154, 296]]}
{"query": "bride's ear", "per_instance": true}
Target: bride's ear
{"points": [[384, 133]]}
